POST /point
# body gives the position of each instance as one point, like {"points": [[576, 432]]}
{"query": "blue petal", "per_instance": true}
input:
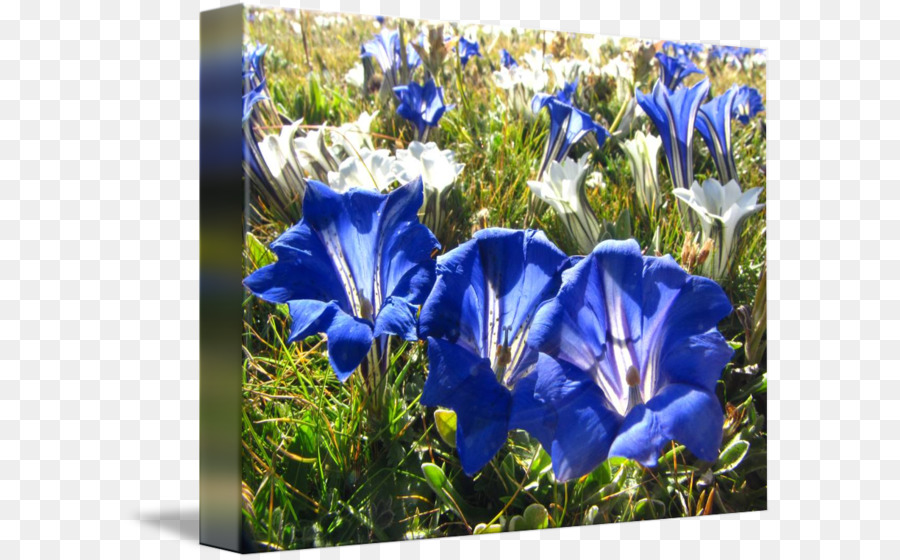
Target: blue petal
{"points": [[360, 232], [349, 340], [506, 59], [383, 48], [252, 97], [489, 289], [567, 412], [467, 49], [680, 314], [309, 317], [714, 125], [747, 104], [674, 69], [568, 125], [464, 382], [397, 317], [455, 308], [407, 268], [595, 320], [674, 115], [304, 270], [678, 412]]}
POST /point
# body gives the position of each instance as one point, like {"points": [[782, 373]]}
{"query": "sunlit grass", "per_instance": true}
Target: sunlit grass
{"points": [[320, 468]]}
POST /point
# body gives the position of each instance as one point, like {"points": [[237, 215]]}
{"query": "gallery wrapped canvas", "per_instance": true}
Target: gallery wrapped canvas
{"points": [[462, 279]]}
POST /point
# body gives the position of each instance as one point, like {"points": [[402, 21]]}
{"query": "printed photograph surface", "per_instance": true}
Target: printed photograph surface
{"points": [[497, 279]]}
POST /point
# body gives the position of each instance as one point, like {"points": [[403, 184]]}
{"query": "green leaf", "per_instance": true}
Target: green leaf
{"points": [[731, 456], [445, 420], [445, 492], [259, 254], [536, 516], [517, 523]]}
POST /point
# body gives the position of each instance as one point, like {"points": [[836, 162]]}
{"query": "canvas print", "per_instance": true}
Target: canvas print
{"points": [[496, 279]]}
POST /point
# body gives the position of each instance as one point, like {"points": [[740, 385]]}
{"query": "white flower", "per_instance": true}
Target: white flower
{"points": [[536, 61], [755, 59], [563, 190], [328, 21], [372, 170], [595, 180], [521, 84], [566, 71], [642, 151], [354, 136], [722, 211], [592, 44], [282, 162], [315, 157], [438, 168], [356, 76]]}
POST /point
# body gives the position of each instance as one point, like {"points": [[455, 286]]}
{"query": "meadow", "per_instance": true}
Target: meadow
{"points": [[329, 462]]}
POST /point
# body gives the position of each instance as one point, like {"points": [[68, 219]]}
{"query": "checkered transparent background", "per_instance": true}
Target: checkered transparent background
{"points": [[99, 279]]}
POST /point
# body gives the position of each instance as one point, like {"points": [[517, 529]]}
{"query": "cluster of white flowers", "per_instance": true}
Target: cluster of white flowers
{"points": [[522, 81], [722, 211], [368, 169], [350, 160]]}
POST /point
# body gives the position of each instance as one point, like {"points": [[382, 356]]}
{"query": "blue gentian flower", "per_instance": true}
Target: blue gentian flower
{"points": [[476, 321], [714, 125], [252, 97], [674, 113], [467, 49], [355, 268], [674, 69], [731, 55], [421, 105], [506, 59], [385, 49], [568, 125], [747, 103], [254, 78], [688, 49], [567, 93], [252, 62], [630, 357]]}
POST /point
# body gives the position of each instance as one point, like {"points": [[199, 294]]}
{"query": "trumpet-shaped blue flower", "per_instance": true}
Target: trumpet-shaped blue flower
{"points": [[747, 103], [421, 105], [385, 49], [732, 55], [253, 63], [674, 114], [467, 49], [688, 49], [355, 268], [252, 97], [568, 125], [567, 93], [630, 357], [674, 69], [714, 125], [506, 59], [476, 321], [254, 78]]}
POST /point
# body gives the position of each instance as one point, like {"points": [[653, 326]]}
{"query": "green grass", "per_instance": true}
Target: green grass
{"points": [[326, 463]]}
